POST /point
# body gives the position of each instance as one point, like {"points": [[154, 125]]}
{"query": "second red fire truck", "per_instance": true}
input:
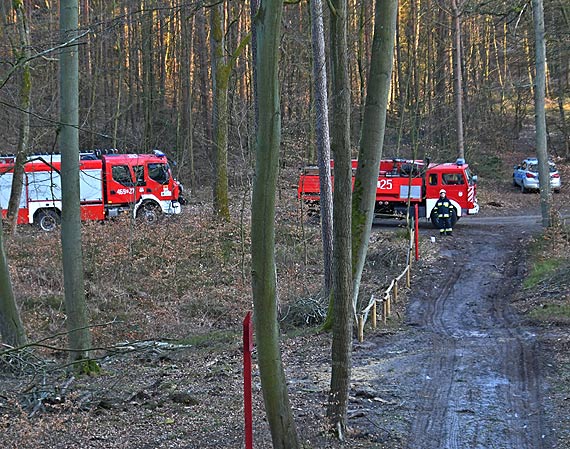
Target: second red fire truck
{"points": [[110, 184], [403, 181]]}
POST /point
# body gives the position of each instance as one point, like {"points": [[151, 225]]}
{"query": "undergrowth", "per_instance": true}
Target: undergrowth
{"points": [[548, 279]]}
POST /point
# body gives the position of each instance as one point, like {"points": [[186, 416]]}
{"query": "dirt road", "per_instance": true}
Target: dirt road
{"points": [[463, 374]]}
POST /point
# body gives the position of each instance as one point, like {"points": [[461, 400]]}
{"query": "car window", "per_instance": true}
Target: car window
{"points": [[433, 179]]}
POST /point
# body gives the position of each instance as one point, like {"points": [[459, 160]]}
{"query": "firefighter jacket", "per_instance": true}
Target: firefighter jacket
{"points": [[443, 208]]}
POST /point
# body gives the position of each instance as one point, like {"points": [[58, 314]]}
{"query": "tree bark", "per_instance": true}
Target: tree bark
{"points": [[22, 54], [220, 80], [323, 140], [11, 327], [203, 75], [457, 77], [184, 127], [372, 140], [540, 114], [79, 335], [264, 282], [148, 88], [341, 356]]}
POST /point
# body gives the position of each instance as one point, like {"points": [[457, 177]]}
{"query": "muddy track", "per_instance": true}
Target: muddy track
{"points": [[468, 375]]}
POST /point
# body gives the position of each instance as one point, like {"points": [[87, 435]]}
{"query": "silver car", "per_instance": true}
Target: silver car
{"points": [[525, 176]]}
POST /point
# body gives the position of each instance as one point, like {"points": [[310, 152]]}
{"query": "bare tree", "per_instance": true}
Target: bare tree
{"points": [[263, 269], [540, 114], [79, 335], [11, 327], [22, 55], [323, 140], [221, 71], [372, 140], [341, 351], [457, 77]]}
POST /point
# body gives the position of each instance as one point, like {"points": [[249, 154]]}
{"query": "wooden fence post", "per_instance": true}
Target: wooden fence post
{"points": [[360, 328], [374, 318]]}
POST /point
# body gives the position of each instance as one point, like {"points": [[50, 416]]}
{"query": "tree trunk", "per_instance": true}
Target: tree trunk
{"points": [[148, 92], [185, 123], [372, 140], [221, 70], [457, 77], [79, 336], [264, 282], [540, 114], [342, 269], [11, 327], [323, 140], [22, 53], [220, 80], [204, 67], [254, 6]]}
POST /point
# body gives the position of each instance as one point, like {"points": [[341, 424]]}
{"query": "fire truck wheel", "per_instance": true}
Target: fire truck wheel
{"points": [[48, 220], [435, 219], [454, 217], [149, 213]]}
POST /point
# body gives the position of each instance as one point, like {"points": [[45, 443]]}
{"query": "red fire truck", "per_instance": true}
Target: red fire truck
{"points": [[403, 180], [110, 184]]}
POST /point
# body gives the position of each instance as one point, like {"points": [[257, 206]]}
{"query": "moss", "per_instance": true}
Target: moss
{"points": [[89, 367]]}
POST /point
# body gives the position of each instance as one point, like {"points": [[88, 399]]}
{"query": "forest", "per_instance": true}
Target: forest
{"points": [[146, 78], [180, 77]]}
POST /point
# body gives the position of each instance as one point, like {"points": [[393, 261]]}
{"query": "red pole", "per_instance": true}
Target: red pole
{"points": [[417, 228], [247, 396]]}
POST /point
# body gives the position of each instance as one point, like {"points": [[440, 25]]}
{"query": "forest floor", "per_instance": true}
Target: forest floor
{"points": [[471, 358]]}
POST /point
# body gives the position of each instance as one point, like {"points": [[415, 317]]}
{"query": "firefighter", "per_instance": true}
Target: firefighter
{"points": [[443, 208]]}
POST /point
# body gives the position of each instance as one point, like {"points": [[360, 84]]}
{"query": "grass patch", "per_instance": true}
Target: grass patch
{"points": [[212, 339], [541, 270], [550, 312]]}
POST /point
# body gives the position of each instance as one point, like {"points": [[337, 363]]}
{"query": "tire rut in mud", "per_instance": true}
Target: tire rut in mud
{"points": [[466, 375]]}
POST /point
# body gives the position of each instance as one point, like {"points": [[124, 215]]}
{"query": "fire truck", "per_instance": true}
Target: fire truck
{"points": [[110, 184], [403, 182]]}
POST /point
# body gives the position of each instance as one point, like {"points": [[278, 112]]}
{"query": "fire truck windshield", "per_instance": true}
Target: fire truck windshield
{"points": [[471, 179]]}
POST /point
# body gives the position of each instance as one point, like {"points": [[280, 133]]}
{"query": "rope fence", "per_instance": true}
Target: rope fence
{"points": [[389, 296]]}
